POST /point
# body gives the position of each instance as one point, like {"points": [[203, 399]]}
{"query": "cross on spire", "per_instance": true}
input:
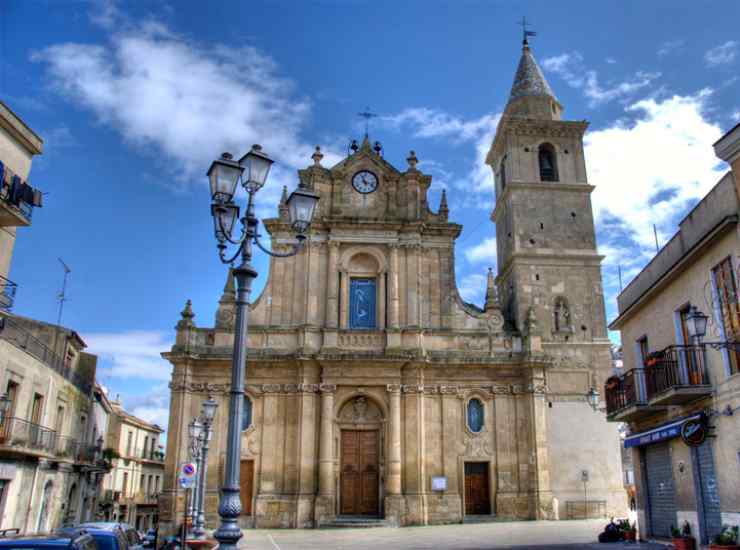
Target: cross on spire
{"points": [[367, 115], [525, 33]]}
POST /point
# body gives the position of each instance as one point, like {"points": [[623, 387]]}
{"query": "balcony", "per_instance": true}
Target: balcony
{"points": [[24, 435], [623, 400], [16, 334], [14, 211], [7, 293], [676, 375]]}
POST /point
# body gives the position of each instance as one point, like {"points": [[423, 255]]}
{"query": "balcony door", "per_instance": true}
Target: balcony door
{"points": [[690, 356]]}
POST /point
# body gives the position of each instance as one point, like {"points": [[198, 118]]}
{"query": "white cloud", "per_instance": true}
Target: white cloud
{"points": [[153, 407], [649, 172], [722, 54], [429, 123], [484, 251], [669, 47], [570, 67], [610, 60], [472, 288], [131, 354], [183, 101], [735, 115]]}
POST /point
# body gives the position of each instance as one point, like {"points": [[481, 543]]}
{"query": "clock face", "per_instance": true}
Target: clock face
{"points": [[365, 182]]}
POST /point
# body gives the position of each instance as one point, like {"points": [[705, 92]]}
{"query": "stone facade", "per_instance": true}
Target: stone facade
{"points": [[485, 398]]}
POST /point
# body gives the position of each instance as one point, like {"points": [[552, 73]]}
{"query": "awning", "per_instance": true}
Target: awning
{"points": [[660, 433]]}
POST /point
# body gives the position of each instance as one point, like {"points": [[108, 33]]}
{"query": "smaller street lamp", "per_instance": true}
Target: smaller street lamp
{"points": [[208, 412], [593, 398], [195, 431], [696, 323]]}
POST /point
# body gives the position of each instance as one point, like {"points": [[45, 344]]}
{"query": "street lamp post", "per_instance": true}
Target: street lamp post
{"points": [[207, 414], [195, 430], [224, 175]]}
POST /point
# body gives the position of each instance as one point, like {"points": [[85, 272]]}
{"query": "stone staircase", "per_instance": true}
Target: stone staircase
{"points": [[356, 522]]}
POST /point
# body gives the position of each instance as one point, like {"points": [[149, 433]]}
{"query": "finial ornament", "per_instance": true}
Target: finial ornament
{"points": [[187, 316], [412, 160], [317, 156], [354, 146], [367, 115], [443, 209]]}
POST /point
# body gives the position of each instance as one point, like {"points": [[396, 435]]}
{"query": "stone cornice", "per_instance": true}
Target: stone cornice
{"points": [[549, 187], [534, 127]]}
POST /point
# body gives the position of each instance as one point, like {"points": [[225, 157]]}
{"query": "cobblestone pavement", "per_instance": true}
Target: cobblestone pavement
{"points": [[519, 535]]}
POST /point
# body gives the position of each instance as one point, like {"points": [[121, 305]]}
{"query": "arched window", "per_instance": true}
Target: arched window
{"points": [[548, 163], [475, 415], [247, 413]]}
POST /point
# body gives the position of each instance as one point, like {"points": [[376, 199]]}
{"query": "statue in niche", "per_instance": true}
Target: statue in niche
{"points": [[561, 315], [360, 409]]}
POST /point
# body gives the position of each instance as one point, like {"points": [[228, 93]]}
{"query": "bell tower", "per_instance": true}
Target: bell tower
{"points": [[546, 243]]}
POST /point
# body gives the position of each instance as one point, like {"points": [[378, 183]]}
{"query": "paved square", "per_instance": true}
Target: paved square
{"points": [[521, 535]]}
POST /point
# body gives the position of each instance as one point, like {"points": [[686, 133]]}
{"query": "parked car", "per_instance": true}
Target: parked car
{"points": [[73, 539], [108, 539], [129, 533]]}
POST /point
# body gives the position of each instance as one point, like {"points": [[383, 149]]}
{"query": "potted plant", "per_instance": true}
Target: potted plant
{"points": [[727, 539], [682, 539], [628, 532]]}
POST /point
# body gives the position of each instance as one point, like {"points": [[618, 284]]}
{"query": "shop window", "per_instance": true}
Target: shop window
{"points": [[475, 415]]}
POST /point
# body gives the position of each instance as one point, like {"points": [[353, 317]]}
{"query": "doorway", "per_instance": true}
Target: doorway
{"points": [[246, 484], [477, 489], [359, 473]]}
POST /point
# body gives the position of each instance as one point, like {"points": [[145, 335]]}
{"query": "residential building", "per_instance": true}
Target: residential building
{"points": [[374, 389], [680, 394], [133, 485], [49, 463]]}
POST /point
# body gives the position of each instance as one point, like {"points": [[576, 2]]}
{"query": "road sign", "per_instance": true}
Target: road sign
{"points": [[187, 482], [187, 470]]}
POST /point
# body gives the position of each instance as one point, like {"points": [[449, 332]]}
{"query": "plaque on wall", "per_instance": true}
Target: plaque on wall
{"points": [[439, 483]]}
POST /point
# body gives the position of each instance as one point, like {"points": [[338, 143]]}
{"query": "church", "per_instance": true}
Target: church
{"points": [[373, 390]]}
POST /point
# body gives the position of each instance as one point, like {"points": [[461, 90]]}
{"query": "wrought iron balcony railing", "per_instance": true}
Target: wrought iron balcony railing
{"points": [[622, 392], [675, 367], [17, 432], [16, 334], [7, 293]]}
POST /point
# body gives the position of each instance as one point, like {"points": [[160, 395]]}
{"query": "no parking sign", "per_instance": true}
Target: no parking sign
{"points": [[186, 477]]}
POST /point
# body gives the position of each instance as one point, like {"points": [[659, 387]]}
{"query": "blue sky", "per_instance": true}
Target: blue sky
{"points": [[134, 100]]}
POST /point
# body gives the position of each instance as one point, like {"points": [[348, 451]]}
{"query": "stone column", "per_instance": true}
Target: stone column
{"points": [[393, 478], [395, 311], [543, 504], [332, 290], [412, 284], [324, 509]]}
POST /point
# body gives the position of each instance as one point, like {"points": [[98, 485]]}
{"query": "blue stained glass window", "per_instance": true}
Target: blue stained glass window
{"points": [[362, 303], [247, 413], [475, 415]]}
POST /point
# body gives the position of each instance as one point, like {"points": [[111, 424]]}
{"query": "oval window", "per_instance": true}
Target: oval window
{"points": [[475, 415], [247, 413]]}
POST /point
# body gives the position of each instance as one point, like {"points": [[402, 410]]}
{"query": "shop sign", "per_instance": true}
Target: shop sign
{"points": [[694, 431], [656, 435]]}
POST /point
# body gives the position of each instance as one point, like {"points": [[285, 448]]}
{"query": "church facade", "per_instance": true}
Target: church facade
{"points": [[373, 389]]}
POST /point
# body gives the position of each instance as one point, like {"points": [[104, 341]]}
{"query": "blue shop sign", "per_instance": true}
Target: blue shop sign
{"points": [[657, 434]]}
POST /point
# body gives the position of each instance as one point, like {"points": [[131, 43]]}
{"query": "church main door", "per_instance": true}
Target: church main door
{"points": [[477, 501], [359, 474]]}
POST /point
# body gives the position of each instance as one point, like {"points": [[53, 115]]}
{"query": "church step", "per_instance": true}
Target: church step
{"points": [[356, 522]]}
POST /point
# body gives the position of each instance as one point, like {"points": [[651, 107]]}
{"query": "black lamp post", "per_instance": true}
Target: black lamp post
{"points": [[224, 175]]}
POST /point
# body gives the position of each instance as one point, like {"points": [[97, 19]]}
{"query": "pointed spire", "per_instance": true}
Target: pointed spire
{"points": [[365, 146], [531, 95], [229, 289], [443, 209], [491, 294], [284, 196]]}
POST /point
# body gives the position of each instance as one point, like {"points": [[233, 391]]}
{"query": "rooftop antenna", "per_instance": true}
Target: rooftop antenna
{"points": [[655, 232], [62, 296], [619, 267], [367, 115], [525, 33]]}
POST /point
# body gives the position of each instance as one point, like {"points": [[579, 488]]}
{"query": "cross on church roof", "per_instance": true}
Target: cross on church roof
{"points": [[525, 32], [367, 115]]}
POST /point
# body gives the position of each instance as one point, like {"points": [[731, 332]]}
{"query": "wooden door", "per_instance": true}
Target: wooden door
{"points": [[360, 473], [477, 501], [246, 484]]}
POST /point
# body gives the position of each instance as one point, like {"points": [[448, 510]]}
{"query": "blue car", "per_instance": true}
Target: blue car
{"points": [[130, 536], [76, 539], [108, 539]]}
